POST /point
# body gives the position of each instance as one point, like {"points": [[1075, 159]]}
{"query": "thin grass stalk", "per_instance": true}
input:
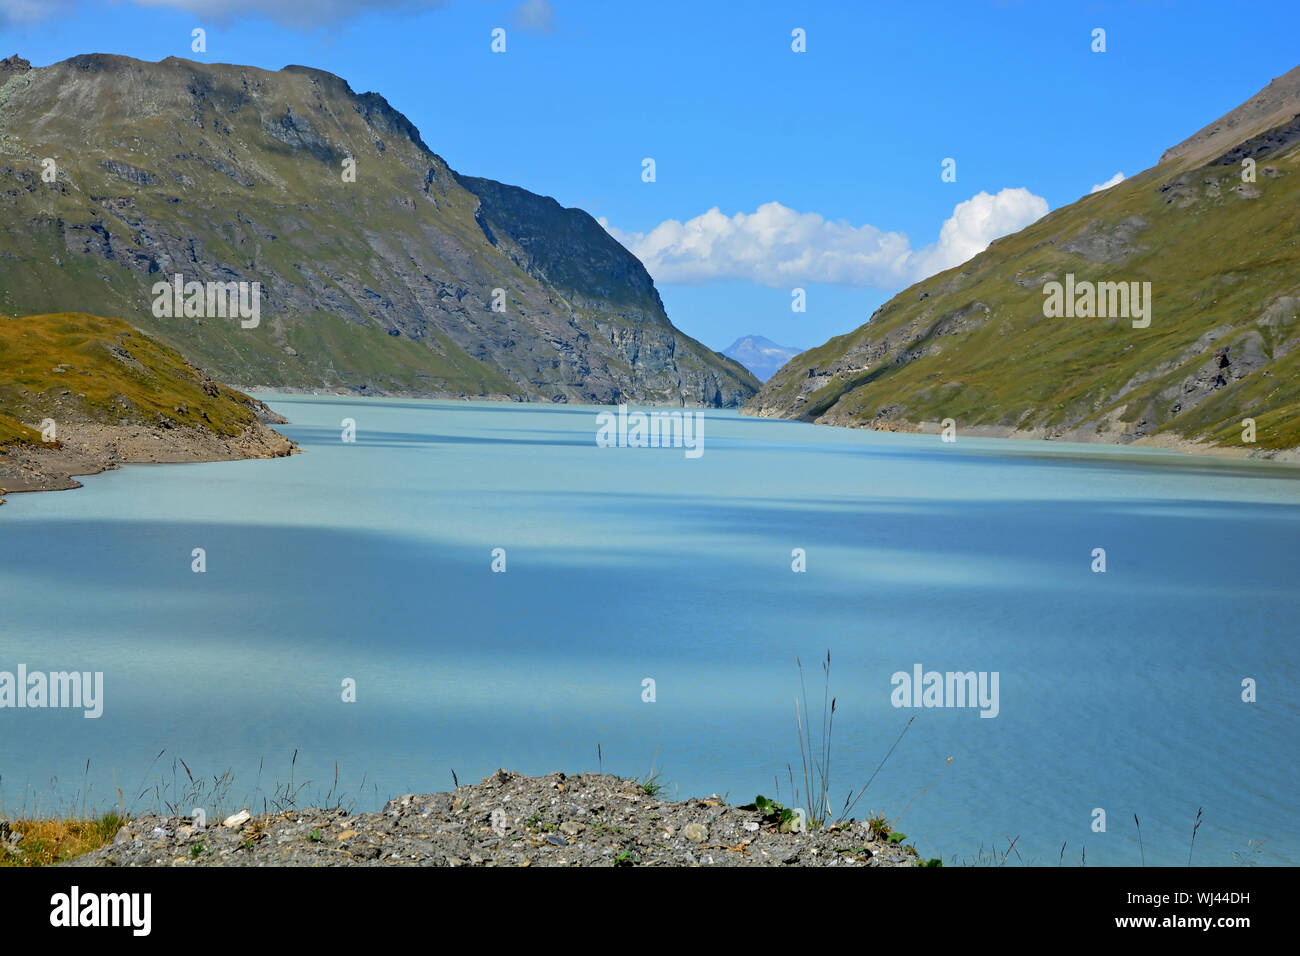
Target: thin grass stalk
{"points": [[877, 770], [1194, 829]]}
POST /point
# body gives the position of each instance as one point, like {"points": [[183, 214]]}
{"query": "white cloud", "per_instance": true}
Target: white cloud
{"points": [[289, 13], [535, 16], [778, 246], [30, 11], [1113, 181]]}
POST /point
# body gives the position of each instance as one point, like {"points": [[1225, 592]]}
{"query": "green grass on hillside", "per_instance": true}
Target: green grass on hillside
{"points": [[13, 431], [71, 366]]}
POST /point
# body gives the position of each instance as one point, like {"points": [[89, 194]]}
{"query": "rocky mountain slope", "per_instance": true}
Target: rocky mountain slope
{"points": [[760, 355], [405, 278], [1219, 243], [80, 394]]}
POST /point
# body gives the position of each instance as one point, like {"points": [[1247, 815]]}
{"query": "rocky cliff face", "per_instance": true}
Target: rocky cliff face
{"points": [[405, 278], [1211, 244]]}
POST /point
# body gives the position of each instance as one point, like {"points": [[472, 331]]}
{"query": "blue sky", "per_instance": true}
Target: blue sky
{"points": [[846, 139]]}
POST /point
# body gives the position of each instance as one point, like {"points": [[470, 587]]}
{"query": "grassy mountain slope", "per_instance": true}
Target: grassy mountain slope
{"points": [[84, 368], [1223, 260], [382, 284], [114, 395]]}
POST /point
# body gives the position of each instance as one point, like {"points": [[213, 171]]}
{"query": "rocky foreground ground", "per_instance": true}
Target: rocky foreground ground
{"points": [[507, 820]]}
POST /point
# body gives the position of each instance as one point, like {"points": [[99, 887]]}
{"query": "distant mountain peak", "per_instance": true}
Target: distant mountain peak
{"points": [[760, 355], [759, 341]]}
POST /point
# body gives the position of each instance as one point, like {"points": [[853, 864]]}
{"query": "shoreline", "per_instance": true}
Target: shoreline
{"points": [[496, 399], [1161, 441], [87, 448]]}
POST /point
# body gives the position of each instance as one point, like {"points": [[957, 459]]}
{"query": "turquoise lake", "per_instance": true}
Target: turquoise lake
{"points": [[372, 561]]}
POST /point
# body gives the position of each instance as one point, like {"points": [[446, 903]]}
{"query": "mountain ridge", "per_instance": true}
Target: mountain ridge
{"points": [[1269, 108], [410, 279]]}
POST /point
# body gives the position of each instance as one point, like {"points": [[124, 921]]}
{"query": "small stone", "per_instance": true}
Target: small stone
{"points": [[751, 827], [571, 828], [237, 820], [695, 832], [557, 840], [347, 834]]}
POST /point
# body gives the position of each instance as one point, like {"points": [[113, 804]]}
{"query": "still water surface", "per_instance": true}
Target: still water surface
{"points": [[372, 561]]}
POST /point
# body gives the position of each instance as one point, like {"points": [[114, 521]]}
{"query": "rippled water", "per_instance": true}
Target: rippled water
{"points": [[372, 561]]}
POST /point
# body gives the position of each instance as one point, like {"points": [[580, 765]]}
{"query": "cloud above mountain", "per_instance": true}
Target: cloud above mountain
{"points": [[1113, 181], [535, 16], [779, 246], [30, 11], [532, 16], [298, 14]]}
